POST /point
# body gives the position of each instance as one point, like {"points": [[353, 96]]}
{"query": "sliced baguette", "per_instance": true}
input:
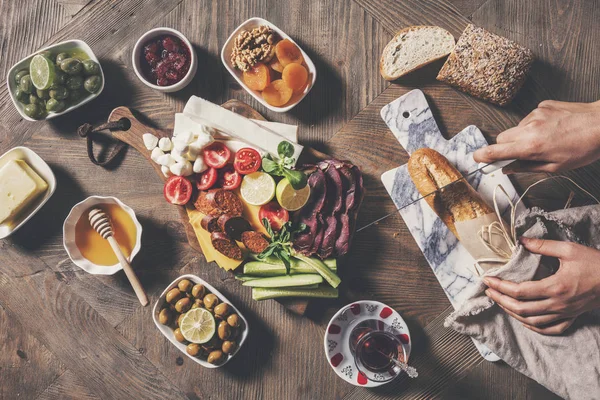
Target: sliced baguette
{"points": [[413, 48]]}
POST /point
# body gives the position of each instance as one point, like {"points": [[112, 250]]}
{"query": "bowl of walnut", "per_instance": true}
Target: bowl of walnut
{"points": [[268, 64]]}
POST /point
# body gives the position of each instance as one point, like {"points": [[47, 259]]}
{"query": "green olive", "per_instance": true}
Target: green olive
{"points": [[26, 85], [198, 291], [74, 82], [60, 58], [233, 320], [32, 111], [185, 285], [179, 319], [21, 96], [178, 335], [164, 317], [56, 106], [33, 99], [20, 74], [59, 93], [60, 78], [183, 305], [224, 330], [210, 301], [91, 67], [193, 349], [42, 94], [198, 303], [173, 295], [71, 66], [213, 343], [92, 84], [228, 346], [222, 310], [215, 357]]}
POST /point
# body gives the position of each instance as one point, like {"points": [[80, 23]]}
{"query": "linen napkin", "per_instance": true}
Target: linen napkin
{"points": [[569, 364]]}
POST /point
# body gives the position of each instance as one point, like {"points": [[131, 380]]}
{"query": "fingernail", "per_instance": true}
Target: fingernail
{"points": [[524, 240], [487, 292], [486, 281]]}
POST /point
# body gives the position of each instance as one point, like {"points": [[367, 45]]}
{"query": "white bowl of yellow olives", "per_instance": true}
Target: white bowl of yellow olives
{"points": [[175, 312], [55, 80]]}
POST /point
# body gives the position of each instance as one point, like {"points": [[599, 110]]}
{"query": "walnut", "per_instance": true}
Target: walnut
{"points": [[252, 47]]}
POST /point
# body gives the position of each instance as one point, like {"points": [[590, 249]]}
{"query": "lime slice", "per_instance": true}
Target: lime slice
{"points": [[198, 326], [258, 188], [41, 71], [290, 198]]}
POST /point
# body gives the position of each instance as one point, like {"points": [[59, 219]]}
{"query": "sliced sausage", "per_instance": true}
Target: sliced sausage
{"points": [[225, 245], [219, 201], [210, 223], [233, 226], [254, 241], [204, 202]]}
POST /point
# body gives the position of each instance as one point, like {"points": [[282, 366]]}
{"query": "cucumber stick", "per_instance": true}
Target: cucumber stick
{"points": [[245, 278], [285, 281], [274, 293], [322, 269], [295, 262]]}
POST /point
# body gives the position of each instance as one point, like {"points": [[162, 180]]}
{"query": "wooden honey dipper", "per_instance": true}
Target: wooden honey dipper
{"points": [[101, 224]]}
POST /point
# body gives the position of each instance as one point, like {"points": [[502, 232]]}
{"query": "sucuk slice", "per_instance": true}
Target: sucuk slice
{"points": [[42, 72], [233, 226], [219, 201], [210, 223], [198, 325], [254, 241], [226, 246], [257, 188]]}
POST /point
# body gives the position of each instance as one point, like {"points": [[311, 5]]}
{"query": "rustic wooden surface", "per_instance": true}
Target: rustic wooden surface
{"points": [[66, 334]]}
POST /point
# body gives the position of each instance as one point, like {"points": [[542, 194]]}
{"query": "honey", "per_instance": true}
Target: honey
{"points": [[96, 249]]}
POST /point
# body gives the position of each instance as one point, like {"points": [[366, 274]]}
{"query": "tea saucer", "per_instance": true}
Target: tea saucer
{"points": [[337, 338]]}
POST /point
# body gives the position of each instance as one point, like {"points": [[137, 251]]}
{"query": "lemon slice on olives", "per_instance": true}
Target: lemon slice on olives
{"points": [[198, 326], [42, 72]]}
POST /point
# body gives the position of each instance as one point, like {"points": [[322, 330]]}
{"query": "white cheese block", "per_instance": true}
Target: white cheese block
{"points": [[199, 165], [19, 186], [204, 112], [150, 141], [165, 144], [156, 153]]}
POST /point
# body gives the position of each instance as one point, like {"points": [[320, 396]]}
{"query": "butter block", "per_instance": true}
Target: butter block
{"points": [[19, 186]]}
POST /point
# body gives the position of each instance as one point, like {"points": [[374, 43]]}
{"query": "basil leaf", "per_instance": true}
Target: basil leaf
{"points": [[285, 258], [270, 166], [285, 149], [267, 226], [297, 179]]}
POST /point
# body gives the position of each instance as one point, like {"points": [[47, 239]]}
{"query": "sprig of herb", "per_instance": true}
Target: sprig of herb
{"points": [[281, 242], [283, 166]]}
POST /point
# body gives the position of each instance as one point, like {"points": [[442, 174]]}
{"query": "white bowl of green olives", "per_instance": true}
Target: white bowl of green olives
{"points": [[189, 292], [71, 77]]}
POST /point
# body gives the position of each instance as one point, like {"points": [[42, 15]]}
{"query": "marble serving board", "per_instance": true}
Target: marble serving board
{"points": [[411, 121]]}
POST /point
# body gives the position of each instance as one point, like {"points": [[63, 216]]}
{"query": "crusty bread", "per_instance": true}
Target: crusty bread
{"points": [[487, 66], [430, 171], [412, 48]]}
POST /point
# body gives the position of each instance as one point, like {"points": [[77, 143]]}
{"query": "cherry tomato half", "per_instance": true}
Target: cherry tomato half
{"points": [[276, 214], [229, 178], [207, 179], [178, 190], [216, 155], [247, 161]]}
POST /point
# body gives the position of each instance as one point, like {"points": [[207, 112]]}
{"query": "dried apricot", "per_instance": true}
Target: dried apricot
{"points": [[258, 77], [288, 53], [276, 65], [277, 93], [295, 76]]}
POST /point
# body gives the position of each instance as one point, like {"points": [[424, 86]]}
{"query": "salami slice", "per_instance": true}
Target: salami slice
{"points": [[233, 226], [225, 245], [254, 241], [210, 223]]}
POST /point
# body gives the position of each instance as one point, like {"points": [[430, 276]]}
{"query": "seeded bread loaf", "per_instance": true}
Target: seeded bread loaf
{"points": [[429, 170], [413, 48], [487, 66]]}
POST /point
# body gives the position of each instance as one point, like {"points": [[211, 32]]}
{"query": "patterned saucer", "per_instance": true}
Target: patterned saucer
{"points": [[337, 338]]}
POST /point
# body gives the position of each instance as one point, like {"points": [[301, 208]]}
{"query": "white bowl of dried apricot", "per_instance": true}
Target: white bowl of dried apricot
{"points": [[269, 64]]}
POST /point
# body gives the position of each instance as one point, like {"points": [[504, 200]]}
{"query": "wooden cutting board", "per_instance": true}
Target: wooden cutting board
{"points": [[133, 137]]}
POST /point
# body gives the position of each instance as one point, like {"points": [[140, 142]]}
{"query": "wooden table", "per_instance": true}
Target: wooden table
{"points": [[68, 334]]}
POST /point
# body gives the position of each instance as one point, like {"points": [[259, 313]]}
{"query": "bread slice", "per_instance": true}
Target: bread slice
{"points": [[430, 171], [413, 48]]}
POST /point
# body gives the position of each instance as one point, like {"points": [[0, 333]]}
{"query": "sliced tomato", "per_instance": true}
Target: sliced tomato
{"points": [[276, 214], [247, 161], [216, 155], [207, 179], [229, 178], [178, 190]]}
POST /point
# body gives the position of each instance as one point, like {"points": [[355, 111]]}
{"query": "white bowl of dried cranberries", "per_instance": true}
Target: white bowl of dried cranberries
{"points": [[164, 59]]}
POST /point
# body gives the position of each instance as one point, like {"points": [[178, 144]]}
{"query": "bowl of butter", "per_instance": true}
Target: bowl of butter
{"points": [[26, 184]]}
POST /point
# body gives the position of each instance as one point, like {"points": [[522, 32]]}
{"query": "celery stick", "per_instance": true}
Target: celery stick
{"points": [[322, 269], [285, 281], [268, 268], [274, 293]]}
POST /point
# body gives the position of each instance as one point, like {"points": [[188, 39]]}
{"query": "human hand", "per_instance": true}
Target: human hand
{"points": [[556, 136], [550, 306]]}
